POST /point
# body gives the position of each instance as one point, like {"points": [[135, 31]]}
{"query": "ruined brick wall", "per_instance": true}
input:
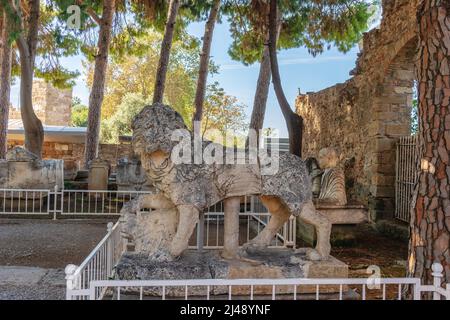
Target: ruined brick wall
{"points": [[335, 117], [52, 105], [75, 151], [364, 117]]}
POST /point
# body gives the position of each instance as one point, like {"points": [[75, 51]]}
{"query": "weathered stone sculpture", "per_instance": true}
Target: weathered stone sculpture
{"points": [[131, 176], [332, 188], [136, 224], [193, 187], [98, 174], [316, 175], [24, 170]]}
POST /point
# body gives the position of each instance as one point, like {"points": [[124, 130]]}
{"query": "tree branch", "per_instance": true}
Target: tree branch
{"points": [[92, 13]]}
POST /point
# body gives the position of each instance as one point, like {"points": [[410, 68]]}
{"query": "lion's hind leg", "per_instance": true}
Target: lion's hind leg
{"points": [[310, 215], [280, 214]]}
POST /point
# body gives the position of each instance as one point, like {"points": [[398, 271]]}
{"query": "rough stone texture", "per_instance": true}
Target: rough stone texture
{"points": [[22, 170], [203, 184], [348, 216], [98, 174], [71, 168], [150, 231], [365, 116], [131, 176], [52, 105], [272, 264], [192, 186]]}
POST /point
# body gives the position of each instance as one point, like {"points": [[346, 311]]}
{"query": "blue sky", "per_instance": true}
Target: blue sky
{"points": [[297, 67]]}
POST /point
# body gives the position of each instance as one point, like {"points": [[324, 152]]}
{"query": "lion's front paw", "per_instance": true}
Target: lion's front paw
{"points": [[162, 256], [254, 247], [311, 254]]}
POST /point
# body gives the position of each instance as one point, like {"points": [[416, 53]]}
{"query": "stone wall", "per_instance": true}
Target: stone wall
{"points": [[365, 116], [75, 151], [52, 105]]}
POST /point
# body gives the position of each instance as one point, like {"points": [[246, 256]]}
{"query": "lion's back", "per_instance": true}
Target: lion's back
{"points": [[291, 183]]}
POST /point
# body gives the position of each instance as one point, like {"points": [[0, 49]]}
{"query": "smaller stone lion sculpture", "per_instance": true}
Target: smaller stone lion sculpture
{"points": [[193, 187]]}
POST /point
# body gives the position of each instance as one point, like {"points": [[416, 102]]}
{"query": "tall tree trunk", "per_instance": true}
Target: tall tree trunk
{"points": [[34, 132], [262, 91], [166, 46], [261, 94], [204, 64], [294, 122], [430, 218], [5, 86], [98, 85]]}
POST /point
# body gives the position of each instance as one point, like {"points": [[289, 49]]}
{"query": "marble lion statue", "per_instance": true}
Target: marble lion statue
{"points": [[192, 187]]}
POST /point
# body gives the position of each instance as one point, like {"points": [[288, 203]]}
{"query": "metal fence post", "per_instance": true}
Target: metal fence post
{"points": [[109, 249], [200, 231], [55, 201], [437, 279], [70, 280]]}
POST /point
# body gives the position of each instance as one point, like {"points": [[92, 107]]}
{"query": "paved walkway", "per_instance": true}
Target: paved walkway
{"points": [[28, 283], [46, 243], [34, 253]]}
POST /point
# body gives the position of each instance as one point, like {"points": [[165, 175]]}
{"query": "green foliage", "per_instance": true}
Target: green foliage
{"points": [[136, 74], [315, 24], [222, 113], [120, 122], [14, 21], [415, 110], [54, 42], [415, 117], [79, 115]]}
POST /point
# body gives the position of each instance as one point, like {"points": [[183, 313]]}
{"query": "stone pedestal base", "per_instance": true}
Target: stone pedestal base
{"points": [[344, 220], [273, 264]]}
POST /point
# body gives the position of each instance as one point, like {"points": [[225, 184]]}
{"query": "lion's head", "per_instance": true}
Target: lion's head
{"points": [[153, 128]]}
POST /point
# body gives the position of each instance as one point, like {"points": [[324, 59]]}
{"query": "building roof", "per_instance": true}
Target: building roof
{"points": [[52, 133]]}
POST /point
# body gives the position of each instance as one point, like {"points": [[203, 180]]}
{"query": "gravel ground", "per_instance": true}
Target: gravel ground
{"points": [[34, 253], [47, 243], [27, 283]]}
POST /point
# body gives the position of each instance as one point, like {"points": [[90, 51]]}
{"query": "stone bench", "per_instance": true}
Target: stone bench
{"points": [[348, 214], [343, 219]]}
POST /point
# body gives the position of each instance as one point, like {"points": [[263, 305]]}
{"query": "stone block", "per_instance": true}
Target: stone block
{"points": [[98, 174], [270, 264], [348, 214], [397, 130], [376, 129], [131, 176], [383, 180], [384, 191], [22, 170]]}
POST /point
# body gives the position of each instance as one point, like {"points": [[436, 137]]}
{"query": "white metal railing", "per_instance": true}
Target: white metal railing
{"points": [[64, 203], [250, 223], [99, 265], [253, 217], [92, 202], [285, 288], [22, 202], [93, 279]]}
